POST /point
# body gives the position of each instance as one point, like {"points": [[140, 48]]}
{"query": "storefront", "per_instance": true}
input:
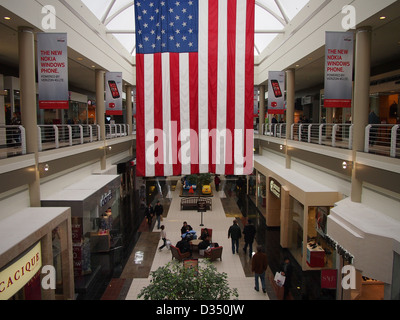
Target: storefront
{"points": [[131, 213], [41, 249], [96, 226], [368, 241], [299, 206]]}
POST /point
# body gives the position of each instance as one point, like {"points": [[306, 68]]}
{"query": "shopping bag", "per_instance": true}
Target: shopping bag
{"points": [[279, 279], [168, 244]]}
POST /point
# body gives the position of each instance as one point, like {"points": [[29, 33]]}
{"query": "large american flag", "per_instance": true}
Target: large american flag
{"points": [[194, 86]]}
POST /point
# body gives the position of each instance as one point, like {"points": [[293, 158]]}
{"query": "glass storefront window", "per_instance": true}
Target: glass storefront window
{"points": [[317, 222], [296, 218]]}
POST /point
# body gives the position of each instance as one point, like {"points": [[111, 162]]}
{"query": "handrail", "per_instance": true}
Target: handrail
{"points": [[381, 139]]}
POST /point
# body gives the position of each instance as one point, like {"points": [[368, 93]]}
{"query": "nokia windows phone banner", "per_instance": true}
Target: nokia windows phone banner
{"points": [[339, 69], [276, 89], [113, 83], [52, 70]]}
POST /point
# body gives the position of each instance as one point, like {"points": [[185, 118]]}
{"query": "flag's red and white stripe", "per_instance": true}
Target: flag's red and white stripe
{"points": [[195, 110]]}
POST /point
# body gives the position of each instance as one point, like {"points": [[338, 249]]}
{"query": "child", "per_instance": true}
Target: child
{"points": [[163, 236]]}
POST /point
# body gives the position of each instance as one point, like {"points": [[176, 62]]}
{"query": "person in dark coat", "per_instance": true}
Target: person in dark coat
{"points": [[235, 234], [249, 232], [149, 214], [286, 270], [158, 210], [259, 265]]}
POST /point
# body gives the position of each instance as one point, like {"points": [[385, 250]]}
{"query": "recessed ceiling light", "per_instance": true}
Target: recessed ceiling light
{"points": [[7, 18], [382, 18], [79, 59]]}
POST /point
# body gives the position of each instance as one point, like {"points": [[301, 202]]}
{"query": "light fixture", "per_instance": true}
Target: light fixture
{"points": [[7, 18], [281, 147], [382, 18], [79, 59], [347, 165], [46, 167]]}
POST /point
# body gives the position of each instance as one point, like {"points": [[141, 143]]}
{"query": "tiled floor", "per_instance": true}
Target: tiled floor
{"points": [[235, 266]]}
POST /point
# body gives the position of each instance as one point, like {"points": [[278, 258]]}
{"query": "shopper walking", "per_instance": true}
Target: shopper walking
{"points": [[163, 237], [217, 181], [259, 265], [249, 232], [286, 270], [158, 210], [149, 214], [235, 234]]}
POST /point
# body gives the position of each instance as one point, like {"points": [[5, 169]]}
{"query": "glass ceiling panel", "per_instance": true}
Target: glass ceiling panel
{"points": [[271, 17]]}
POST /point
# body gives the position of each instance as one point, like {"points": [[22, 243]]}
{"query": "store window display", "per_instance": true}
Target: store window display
{"points": [[319, 252]]}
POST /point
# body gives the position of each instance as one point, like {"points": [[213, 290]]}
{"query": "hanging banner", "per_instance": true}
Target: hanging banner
{"points": [[113, 93], [276, 89], [339, 69], [52, 70]]}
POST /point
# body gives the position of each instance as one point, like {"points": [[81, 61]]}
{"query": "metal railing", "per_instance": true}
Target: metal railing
{"points": [[382, 139], [379, 139], [58, 136], [12, 141], [328, 134]]}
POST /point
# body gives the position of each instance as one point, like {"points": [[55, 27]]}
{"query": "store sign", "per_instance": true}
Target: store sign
{"points": [[276, 89], [17, 275], [113, 93], [328, 279], [339, 69], [275, 188], [52, 70], [105, 198]]}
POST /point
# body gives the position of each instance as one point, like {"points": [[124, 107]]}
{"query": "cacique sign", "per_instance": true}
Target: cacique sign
{"points": [[14, 277]]}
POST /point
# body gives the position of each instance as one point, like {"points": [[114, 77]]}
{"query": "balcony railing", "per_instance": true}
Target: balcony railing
{"points": [[379, 139], [13, 138]]}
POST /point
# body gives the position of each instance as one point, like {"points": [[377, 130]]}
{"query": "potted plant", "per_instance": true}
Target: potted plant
{"points": [[174, 281]]}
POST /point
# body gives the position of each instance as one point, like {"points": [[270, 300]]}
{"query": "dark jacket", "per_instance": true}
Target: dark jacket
{"points": [[249, 232], [149, 212], [158, 209], [259, 263], [234, 232]]}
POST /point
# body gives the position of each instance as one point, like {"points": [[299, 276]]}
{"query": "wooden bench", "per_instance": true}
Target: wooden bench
{"points": [[191, 203]]}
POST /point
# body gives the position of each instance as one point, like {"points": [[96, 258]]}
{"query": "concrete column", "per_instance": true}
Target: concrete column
{"points": [[261, 119], [47, 259], [129, 106], [290, 101], [361, 101], [26, 50], [3, 139], [129, 112], [100, 112], [65, 230]]}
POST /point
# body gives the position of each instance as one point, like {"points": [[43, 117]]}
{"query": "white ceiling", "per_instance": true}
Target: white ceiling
{"points": [[309, 69]]}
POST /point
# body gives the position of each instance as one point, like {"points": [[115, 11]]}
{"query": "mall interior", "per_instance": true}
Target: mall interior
{"points": [[324, 191]]}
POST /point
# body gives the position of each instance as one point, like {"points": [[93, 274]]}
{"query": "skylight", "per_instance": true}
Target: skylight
{"points": [[271, 17]]}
